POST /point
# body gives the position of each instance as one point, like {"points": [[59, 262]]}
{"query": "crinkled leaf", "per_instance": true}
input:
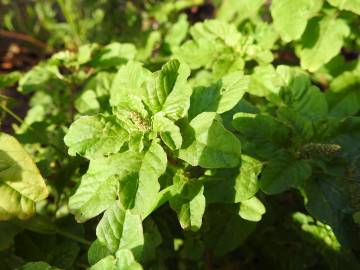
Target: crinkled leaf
{"points": [[129, 80], [95, 136], [171, 92], [120, 229], [168, 130], [99, 186]]}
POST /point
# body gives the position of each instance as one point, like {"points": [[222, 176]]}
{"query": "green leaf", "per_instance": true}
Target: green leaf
{"points": [[350, 5], [291, 16], [189, 203], [123, 260], [252, 209], [233, 186], [327, 199], [8, 231], [38, 266], [142, 193], [238, 11], [41, 78], [221, 96], [9, 79], [265, 81], [97, 251], [283, 172], [318, 230], [99, 187], [209, 39], [177, 32], [87, 102], [228, 229], [152, 240], [95, 136], [132, 114], [301, 96], [120, 229], [343, 95], [171, 93], [130, 79], [95, 95], [322, 41], [209, 145], [261, 135], [113, 55], [168, 130], [21, 184]]}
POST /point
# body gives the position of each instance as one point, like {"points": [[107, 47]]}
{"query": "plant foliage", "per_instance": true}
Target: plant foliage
{"points": [[183, 144]]}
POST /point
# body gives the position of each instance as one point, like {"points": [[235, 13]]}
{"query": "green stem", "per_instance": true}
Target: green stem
{"points": [[73, 237]]}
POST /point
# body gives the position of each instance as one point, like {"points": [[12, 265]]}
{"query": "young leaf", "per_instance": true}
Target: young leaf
{"points": [[209, 145], [252, 209], [171, 93], [322, 41], [95, 136], [168, 130], [129, 80], [21, 184]]}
